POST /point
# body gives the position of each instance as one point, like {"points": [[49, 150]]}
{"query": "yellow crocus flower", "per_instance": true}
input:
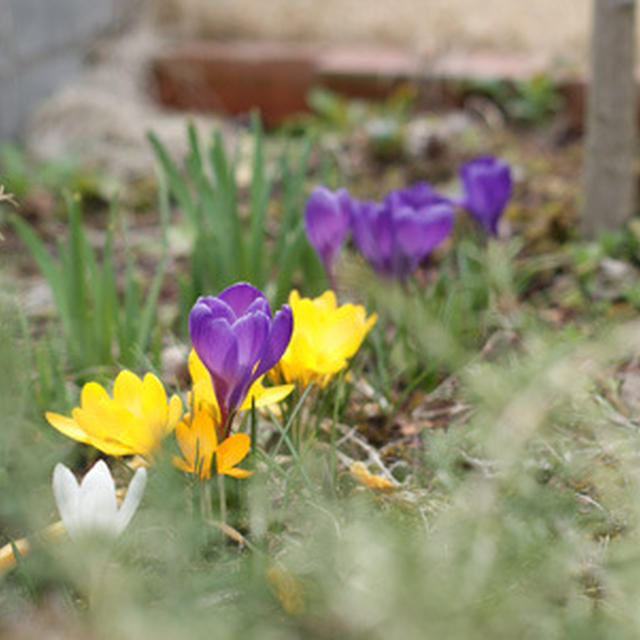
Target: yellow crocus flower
{"points": [[198, 442], [134, 421], [203, 398], [202, 435], [324, 337]]}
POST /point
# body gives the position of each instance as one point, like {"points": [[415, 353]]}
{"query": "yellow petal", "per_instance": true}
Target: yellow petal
{"points": [[182, 465], [175, 413], [197, 441], [68, 426], [205, 431], [235, 472], [186, 440], [265, 396], [327, 301], [231, 451], [202, 398], [127, 391], [197, 370], [107, 430], [368, 479], [92, 394], [154, 404]]}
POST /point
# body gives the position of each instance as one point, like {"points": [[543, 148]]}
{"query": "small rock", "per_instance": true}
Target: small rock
{"points": [[173, 364]]}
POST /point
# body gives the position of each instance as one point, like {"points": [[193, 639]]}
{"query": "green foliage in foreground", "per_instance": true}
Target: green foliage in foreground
{"points": [[94, 314], [522, 522]]}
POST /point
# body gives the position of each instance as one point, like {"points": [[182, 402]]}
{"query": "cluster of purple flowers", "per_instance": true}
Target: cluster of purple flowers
{"points": [[395, 235]]}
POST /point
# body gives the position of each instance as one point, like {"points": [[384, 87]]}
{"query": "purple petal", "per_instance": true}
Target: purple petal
{"points": [[215, 344], [487, 185], [240, 297], [218, 308], [372, 233], [422, 232], [327, 221], [277, 341], [251, 331], [416, 196], [259, 305]]}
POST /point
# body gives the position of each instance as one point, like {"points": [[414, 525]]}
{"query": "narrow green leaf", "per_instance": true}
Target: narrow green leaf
{"points": [[260, 189], [177, 184]]}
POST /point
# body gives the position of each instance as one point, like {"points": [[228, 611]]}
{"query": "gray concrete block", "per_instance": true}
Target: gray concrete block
{"points": [[42, 44], [40, 26], [9, 111], [31, 84]]}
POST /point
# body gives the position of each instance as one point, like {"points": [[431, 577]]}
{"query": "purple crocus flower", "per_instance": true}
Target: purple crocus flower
{"points": [[237, 340], [395, 239], [327, 217], [487, 188], [416, 196]]}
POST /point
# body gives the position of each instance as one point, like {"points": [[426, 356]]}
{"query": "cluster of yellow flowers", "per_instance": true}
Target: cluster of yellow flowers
{"points": [[138, 415]]}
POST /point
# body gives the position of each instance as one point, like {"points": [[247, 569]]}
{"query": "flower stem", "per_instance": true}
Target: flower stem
{"points": [[205, 501], [223, 498]]}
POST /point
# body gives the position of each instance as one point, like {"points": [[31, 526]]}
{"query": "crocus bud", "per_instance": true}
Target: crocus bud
{"points": [[91, 507], [327, 216], [237, 340], [487, 188], [395, 239], [417, 196]]}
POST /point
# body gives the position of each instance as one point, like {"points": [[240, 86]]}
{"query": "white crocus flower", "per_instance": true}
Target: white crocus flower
{"points": [[91, 506]]}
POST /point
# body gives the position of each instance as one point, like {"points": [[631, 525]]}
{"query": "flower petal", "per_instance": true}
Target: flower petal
{"points": [[235, 472], [231, 451], [67, 496], [418, 233], [132, 500], [487, 187], [327, 221], [218, 308], [98, 507], [174, 414], [264, 396], [240, 297], [67, 426], [127, 391], [154, 407], [216, 345], [277, 341], [251, 331]]}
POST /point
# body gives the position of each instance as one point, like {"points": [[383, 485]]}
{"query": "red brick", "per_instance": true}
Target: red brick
{"points": [[235, 77], [366, 72]]}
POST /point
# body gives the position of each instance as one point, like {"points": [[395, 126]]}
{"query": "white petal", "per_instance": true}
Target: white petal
{"points": [[67, 495], [132, 499], [98, 508]]}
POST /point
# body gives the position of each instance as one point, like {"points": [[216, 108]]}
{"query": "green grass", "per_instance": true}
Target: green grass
{"points": [[521, 520]]}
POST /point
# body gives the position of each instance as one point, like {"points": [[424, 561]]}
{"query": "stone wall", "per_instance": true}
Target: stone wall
{"points": [[44, 43]]}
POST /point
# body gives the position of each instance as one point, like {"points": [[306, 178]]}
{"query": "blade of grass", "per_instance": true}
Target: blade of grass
{"points": [[178, 186], [260, 189], [149, 312], [226, 204], [79, 303]]}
